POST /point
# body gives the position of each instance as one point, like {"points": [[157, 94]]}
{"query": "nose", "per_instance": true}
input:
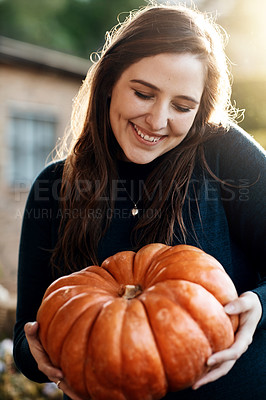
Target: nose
{"points": [[157, 116]]}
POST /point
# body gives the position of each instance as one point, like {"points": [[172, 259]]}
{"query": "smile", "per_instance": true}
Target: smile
{"points": [[146, 137]]}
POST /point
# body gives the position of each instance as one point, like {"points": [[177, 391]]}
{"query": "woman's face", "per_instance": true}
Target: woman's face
{"points": [[154, 103]]}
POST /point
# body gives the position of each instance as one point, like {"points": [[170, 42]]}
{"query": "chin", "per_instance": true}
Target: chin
{"points": [[138, 159]]}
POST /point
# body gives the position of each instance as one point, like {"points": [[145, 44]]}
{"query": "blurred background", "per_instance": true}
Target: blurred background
{"points": [[45, 48]]}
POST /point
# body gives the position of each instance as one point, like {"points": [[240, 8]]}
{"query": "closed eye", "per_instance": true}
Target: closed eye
{"points": [[142, 95], [181, 109]]}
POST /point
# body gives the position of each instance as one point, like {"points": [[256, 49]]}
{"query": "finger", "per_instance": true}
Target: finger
{"points": [[249, 307], [242, 304], [62, 385], [237, 306], [243, 340], [52, 373], [44, 365], [247, 326], [214, 374], [39, 354]]}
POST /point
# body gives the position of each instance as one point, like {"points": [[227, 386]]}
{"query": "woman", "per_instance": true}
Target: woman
{"points": [[154, 158]]}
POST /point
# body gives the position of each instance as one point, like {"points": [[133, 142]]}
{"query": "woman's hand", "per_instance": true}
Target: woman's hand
{"points": [[43, 361], [249, 308]]}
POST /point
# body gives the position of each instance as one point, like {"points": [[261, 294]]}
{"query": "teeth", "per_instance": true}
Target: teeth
{"points": [[146, 137]]}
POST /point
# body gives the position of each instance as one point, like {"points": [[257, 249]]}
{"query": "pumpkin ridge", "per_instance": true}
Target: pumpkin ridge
{"points": [[133, 264], [143, 260], [155, 341], [87, 348], [196, 375], [175, 257], [161, 386], [218, 291], [52, 321], [60, 340], [51, 315], [109, 281], [155, 268], [152, 269], [109, 272], [121, 268], [101, 381], [67, 348], [182, 279], [77, 279], [122, 389], [92, 304], [192, 313], [173, 251]]}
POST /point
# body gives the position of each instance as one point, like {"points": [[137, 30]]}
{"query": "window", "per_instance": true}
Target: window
{"points": [[31, 138]]}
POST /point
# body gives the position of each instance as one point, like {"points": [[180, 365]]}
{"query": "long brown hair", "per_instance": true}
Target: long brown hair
{"points": [[90, 166]]}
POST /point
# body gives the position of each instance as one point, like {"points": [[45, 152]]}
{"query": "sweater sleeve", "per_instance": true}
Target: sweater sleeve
{"points": [[34, 272], [242, 167]]}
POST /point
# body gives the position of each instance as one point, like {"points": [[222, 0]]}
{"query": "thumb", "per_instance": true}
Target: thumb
{"points": [[242, 304], [31, 328], [231, 308]]}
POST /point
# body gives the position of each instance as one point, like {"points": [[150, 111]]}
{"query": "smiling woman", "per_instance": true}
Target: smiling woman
{"points": [[155, 157], [153, 109]]}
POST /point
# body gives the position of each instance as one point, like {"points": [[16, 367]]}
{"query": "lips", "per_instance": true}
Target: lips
{"points": [[146, 137]]}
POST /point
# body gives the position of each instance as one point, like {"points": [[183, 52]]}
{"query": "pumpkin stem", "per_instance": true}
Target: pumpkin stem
{"points": [[130, 291]]}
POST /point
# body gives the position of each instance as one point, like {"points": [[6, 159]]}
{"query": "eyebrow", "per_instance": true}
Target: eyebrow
{"points": [[151, 86]]}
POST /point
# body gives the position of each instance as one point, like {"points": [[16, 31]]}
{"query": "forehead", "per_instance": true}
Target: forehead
{"points": [[170, 72]]}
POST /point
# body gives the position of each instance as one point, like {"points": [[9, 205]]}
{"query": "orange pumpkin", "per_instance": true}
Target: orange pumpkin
{"points": [[140, 325]]}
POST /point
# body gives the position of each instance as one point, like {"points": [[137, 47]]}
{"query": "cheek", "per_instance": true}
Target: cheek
{"points": [[112, 116], [183, 123], [120, 109], [115, 113]]}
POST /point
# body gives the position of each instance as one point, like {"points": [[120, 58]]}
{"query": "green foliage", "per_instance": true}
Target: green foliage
{"points": [[72, 26]]}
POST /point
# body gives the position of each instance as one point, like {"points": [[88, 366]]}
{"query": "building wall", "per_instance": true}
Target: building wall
{"points": [[24, 88]]}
